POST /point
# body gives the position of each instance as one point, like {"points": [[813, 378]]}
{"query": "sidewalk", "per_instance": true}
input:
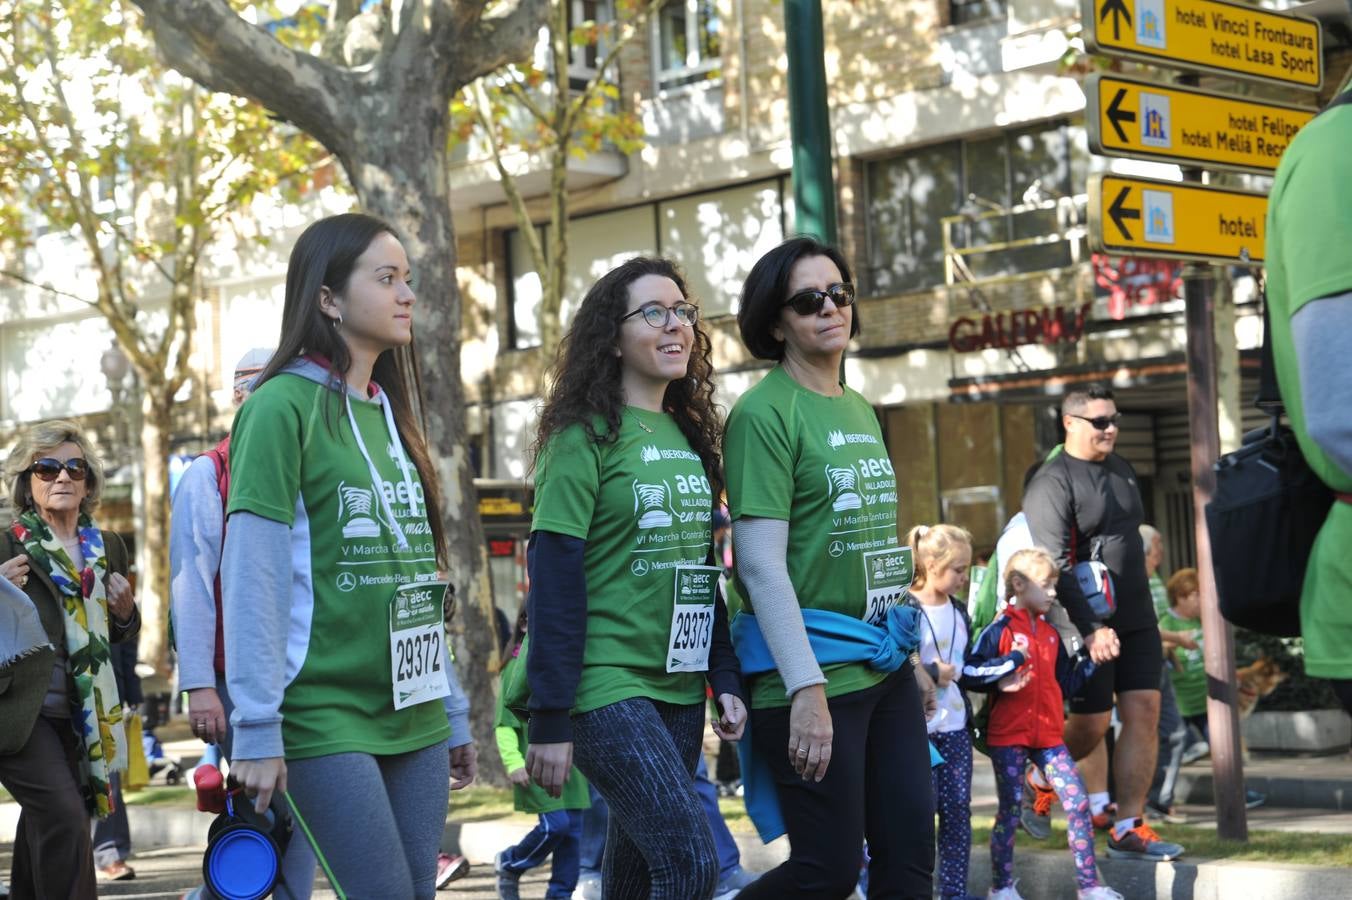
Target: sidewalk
{"points": [[1047, 874], [1315, 792]]}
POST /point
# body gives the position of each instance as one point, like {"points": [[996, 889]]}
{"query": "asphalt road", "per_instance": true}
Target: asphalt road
{"points": [[171, 872]]}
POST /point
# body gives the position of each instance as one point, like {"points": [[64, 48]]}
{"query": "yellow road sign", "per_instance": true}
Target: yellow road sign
{"points": [[1208, 35], [1142, 120], [1145, 217]]}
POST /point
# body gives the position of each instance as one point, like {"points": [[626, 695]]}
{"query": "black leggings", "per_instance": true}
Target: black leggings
{"points": [[877, 786], [1343, 688]]}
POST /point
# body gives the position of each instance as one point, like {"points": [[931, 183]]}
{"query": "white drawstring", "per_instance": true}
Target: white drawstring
{"points": [[398, 445], [376, 482]]}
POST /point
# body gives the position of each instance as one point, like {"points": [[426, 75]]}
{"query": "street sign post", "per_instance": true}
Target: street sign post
{"points": [[1145, 217], [1208, 36], [1144, 120]]}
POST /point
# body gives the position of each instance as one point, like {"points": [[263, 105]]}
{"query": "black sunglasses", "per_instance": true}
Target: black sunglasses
{"points": [[809, 303], [657, 315], [49, 469], [1100, 423]]}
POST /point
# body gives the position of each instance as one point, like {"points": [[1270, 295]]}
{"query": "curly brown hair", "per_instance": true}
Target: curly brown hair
{"points": [[584, 381]]}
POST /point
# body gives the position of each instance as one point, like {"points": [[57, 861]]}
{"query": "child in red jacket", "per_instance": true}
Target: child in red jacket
{"points": [[1027, 722]]}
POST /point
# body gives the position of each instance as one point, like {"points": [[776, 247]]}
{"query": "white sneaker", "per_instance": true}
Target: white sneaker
{"points": [[1100, 892], [1009, 893]]}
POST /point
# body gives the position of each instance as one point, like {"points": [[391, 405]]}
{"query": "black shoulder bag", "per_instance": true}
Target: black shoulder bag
{"points": [[1263, 518], [1266, 510]]}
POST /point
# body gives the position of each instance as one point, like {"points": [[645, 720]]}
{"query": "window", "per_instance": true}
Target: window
{"points": [[909, 195], [689, 41], [960, 12], [716, 238], [596, 244], [586, 57]]}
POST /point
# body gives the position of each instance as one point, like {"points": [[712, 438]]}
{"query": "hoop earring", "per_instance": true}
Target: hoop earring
{"points": [[338, 322]]}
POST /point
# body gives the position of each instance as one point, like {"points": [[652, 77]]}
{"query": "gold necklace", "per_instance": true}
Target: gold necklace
{"points": [[640, 422]]}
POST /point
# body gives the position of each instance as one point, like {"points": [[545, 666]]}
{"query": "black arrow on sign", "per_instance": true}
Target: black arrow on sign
{"points": [[1117, 213], [1119, 11], [1117, 115]]}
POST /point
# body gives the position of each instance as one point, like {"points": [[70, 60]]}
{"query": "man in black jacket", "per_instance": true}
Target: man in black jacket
{"points": [[1084, 504]]}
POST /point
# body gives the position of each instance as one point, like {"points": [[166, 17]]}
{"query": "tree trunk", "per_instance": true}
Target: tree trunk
{"points": [[402, 179], [152, 588]]}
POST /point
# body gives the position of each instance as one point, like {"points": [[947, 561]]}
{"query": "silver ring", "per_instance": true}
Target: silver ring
{"points": [[802, 752]]}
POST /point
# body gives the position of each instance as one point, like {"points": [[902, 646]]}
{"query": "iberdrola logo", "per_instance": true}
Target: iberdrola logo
{"points": [[836, 439], [650, 454]]}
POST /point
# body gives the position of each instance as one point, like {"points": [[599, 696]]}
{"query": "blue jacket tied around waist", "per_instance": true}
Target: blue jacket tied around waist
{"points": [[835, 638]]}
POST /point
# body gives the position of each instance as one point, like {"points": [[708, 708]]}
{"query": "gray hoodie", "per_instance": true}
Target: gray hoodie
{"points": [[256, 579]]}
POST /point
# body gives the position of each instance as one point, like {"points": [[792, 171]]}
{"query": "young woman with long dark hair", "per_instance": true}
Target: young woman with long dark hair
{"points": [[332, 603], [626, 621]]}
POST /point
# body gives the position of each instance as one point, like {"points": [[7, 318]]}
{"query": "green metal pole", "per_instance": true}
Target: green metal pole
{"points": [[814, 191]]}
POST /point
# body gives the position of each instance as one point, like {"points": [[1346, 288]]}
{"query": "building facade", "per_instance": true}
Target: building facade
{"points": [[961, 169]]}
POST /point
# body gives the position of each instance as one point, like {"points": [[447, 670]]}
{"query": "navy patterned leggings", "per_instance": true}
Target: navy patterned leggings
{"points": [[641, 755], [1056, 764], [953, 797]]}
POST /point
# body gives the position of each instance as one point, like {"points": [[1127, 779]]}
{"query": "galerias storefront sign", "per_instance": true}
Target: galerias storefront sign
{"points": [[1040, 325]]}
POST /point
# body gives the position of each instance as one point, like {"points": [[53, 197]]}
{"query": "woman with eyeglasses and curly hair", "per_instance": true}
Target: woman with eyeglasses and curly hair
{"points": [[626, 621], [837, 735], [61, 735]]}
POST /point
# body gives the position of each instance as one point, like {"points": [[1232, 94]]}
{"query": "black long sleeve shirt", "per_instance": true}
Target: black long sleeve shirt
{"points": [[558, 636]]}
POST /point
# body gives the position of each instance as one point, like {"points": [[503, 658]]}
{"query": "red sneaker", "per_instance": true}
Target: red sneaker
{"points": [[450, 868]]}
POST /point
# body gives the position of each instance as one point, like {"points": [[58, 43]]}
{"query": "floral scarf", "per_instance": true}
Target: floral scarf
{"points": [[96, 705]]}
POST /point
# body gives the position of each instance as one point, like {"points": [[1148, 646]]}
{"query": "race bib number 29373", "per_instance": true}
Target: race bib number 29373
{"points": [[692, 618], [416, 634]]}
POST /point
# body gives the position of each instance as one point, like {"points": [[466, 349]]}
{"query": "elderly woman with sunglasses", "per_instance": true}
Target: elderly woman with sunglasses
{"points": [[838, 751], [61, 735]]}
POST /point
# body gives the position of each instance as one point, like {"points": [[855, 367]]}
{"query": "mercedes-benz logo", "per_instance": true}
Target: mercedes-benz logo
{"points": [[346, 581], [639, 567], [837, 549]]}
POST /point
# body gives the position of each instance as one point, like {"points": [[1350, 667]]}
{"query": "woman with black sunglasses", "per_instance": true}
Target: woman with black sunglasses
{"points": [[838, 751], [626, 622], [61, 736]]}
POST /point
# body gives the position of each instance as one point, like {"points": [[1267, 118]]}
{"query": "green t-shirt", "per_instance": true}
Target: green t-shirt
{"points": [[1309, 230], [1159, 595], [1189, 679], [293, 459], [645, 508], [819, 463]]}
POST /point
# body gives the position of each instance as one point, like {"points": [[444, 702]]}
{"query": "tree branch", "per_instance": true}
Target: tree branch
{"points": [[523, 97], [208, 42], [340, 13], [518, 202], [56, 292], [491, 42]]}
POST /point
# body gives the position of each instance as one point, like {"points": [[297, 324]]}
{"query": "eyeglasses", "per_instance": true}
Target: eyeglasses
{"points": [[49, 469], [809, 303], [657, 315], [1100, 423]]}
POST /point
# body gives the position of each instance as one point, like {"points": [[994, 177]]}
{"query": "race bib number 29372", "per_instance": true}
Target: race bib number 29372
{"points": [[416, 635]]}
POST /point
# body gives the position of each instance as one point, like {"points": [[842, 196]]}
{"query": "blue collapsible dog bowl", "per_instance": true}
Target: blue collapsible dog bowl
{"points": [[244, 852], [241, 863]]}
